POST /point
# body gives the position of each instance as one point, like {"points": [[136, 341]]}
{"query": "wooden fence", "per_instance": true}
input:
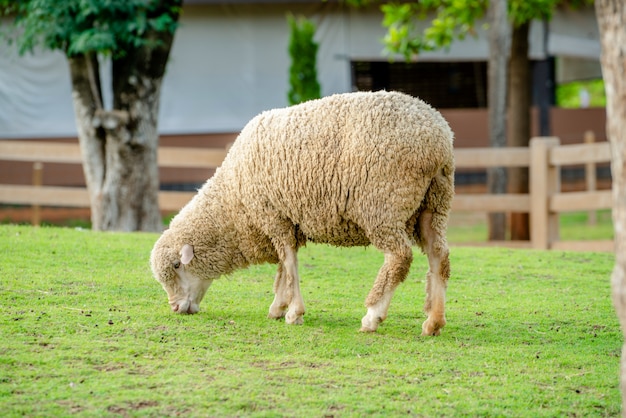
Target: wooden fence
{"points": [[543, 157], [64, 153]]}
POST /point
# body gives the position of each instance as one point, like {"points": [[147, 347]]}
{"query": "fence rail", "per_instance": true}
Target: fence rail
{"points": [[543, 157], [66, 153]]}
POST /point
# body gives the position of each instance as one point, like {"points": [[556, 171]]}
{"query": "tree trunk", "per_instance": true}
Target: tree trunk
{"points": [[120, 147], [611, 15], [91, 136], [499, 41], [519, 122]]}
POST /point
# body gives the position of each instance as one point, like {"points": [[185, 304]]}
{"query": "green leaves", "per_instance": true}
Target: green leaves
{"points": [[303, 52], [454, 19], [524, 11], [91, 40], [82, 26]]}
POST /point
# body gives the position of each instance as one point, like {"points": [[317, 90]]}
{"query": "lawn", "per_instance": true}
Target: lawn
{"points": [[469, 227], [86, 331]]}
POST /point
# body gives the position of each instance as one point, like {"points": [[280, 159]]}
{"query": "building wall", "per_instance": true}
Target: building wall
{"points": [[469, 126], [229, 62]]}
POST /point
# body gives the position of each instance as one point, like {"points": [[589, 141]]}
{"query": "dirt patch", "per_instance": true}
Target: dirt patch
{"points": [[128, 408]]}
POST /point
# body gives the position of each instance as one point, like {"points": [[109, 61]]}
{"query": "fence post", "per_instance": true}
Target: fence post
{"points": [[590, 177], [37, 182], [544, 182]]}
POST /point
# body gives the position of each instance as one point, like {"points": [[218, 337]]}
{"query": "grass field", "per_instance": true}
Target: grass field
{"points": [[86, 331], [469, 227]]}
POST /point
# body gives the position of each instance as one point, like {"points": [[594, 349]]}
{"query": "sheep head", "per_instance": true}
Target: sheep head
{"points": [[173, 267]]}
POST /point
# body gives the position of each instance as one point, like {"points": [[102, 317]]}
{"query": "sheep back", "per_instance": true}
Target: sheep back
{"points": [[340, 166]]}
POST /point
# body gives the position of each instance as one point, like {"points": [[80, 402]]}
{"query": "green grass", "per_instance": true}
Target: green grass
{"points": [[86, 331], [573, 226]]}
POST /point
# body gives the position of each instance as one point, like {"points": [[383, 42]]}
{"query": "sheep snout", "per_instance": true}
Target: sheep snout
{"points": [[184, 307], [185, 296]]}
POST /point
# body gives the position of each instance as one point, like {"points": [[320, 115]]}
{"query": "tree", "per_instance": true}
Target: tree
{"points": [[499, 45], [119, 145], [520, 101], [518, 134], [303, 69], [456, 19], [611, 15]]}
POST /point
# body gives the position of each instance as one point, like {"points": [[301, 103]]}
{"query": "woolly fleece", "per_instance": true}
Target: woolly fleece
{"points": [[349, 169]]}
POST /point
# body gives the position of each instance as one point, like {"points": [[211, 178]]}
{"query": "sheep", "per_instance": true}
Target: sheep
{"points": [[350, 169]]}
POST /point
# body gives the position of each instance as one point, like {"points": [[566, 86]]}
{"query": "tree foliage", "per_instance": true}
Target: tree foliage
{"points": [[303, 70], [85, 26], [453, 20]]}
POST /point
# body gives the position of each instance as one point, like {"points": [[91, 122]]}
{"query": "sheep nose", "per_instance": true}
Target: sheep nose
{"points": [[184, 307]]}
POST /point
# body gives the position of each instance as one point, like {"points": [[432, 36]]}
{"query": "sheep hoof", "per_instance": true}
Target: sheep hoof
{"points": [[432, 328], [370, 322], [435, 333], [366, 329], [276, 315], [294, 319], [277, 311]]}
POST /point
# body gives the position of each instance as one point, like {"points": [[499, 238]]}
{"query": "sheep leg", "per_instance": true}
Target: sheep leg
{"points": [[295, 310], [436, 248], [287, 290], [393, 271], [279, 306]]}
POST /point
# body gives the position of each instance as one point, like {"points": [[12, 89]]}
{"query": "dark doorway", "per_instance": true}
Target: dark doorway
{"points": [[442, 84]]}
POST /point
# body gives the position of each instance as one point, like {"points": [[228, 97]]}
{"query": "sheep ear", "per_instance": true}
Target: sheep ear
{"points": [[186, 254]]}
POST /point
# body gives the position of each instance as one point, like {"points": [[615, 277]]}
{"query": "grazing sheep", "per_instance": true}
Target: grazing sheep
{"points": [[349, 170]]}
